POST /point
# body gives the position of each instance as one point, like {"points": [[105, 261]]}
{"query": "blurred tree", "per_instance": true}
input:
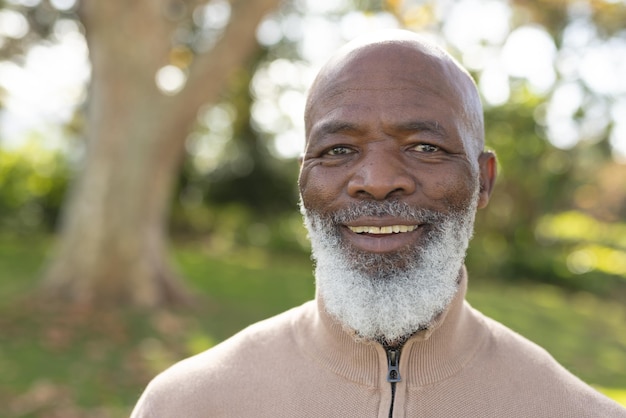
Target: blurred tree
{"points": [[243, 172], [231, 164], [112, 244]]}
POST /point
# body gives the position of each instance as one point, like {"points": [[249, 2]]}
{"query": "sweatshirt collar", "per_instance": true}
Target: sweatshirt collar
{"points": [[431, 355]]}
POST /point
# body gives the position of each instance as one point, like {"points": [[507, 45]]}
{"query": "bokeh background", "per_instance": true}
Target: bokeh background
{"points": [[148, 164]]}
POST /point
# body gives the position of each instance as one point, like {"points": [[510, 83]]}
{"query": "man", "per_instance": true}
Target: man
{"points": [[393, 172]]}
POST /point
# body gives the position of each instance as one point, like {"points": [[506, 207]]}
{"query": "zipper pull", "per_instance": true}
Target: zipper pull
{"points": [[393, 368]]}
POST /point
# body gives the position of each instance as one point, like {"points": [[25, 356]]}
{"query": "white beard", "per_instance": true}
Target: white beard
{"points": [[389, 297]]}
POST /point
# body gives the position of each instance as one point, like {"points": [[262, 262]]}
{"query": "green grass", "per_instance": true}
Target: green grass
{"points": [[88, 364]]}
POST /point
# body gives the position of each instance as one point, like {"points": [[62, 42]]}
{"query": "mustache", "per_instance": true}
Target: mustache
{"points": [[378, 209]]}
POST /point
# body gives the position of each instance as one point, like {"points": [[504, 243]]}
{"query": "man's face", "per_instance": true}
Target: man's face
{"points": [[389, 184], [387, 129]]}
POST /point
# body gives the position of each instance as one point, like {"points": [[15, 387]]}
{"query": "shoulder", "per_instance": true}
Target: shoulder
{"points": [[187, 385], [508, 346], [531, 373]]}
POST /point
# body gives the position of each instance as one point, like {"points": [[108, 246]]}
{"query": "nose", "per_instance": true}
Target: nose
{"points": [[380, 176]]}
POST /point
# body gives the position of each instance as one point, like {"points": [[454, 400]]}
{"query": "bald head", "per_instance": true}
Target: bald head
{"points": [[396, 60]]}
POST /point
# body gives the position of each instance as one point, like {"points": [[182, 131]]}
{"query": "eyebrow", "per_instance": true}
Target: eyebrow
{"points": [[335, 127], [432, 127]]}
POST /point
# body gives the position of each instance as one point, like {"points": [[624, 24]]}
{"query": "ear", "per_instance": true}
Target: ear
{"points": [[488, 166]]}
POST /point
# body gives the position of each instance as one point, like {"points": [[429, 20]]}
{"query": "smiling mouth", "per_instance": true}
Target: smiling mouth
{"points": [[378, 230]]}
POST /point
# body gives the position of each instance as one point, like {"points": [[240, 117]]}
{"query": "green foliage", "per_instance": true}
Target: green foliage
{"points": [[231, 226], [33, 181], [587, 232], [534, 227]]}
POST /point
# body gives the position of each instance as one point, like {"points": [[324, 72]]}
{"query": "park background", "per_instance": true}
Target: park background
{"points": [[148, 164]]}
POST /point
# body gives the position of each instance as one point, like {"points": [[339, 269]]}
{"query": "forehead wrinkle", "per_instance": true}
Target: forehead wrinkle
{"points": [[334, 122], [330, 96]]}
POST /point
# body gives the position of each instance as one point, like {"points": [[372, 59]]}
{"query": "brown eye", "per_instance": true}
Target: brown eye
{"points": [[339, 151], [426, 148]]}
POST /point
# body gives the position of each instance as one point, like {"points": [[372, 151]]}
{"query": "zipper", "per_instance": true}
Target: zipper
{"points": [[393, 373]]}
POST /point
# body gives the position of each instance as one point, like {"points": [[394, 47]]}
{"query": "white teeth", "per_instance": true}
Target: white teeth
{"points": [[382, 229]]}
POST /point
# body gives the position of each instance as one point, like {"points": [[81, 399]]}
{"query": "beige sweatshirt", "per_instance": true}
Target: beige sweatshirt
{"points": [[302, 363]]}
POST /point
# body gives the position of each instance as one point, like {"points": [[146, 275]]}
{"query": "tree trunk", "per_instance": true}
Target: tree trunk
{"points": [[112, 247]]}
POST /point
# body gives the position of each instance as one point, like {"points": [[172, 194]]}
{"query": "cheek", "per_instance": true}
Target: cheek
{"points": [[452, 189], [319, 187]]}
